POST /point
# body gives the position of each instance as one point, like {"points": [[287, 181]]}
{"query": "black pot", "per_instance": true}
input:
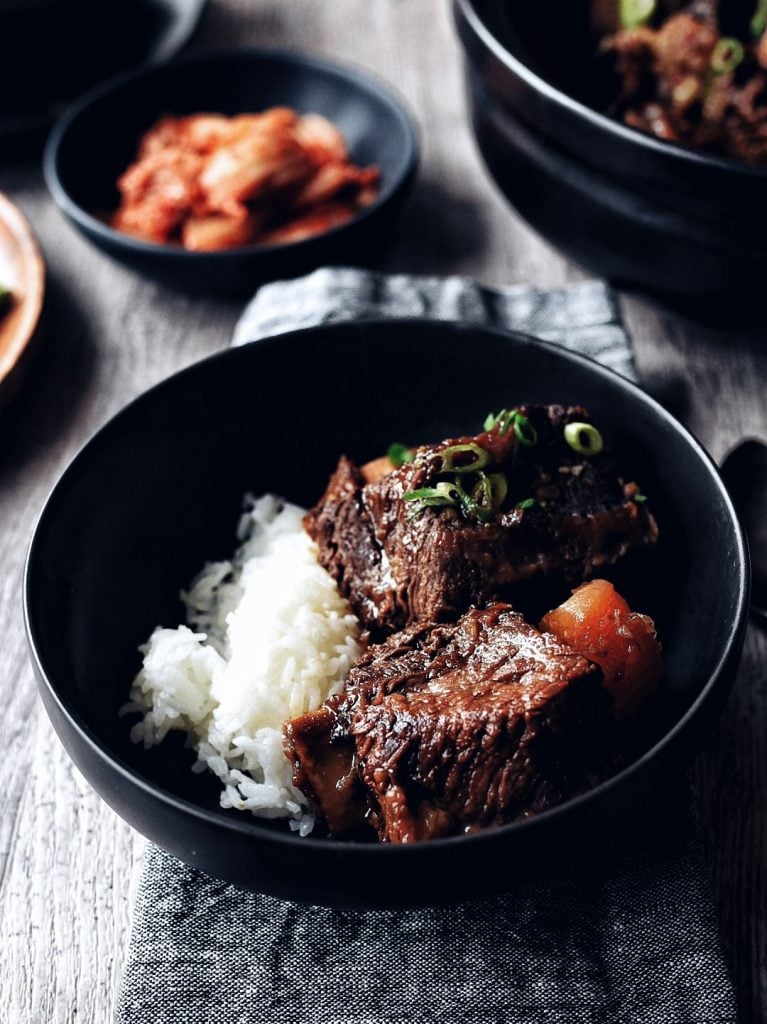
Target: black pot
{"points": [[637, 210], [158, 490]]}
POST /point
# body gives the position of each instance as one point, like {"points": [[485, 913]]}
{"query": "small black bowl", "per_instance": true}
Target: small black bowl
{"points": [[158, 490], [645, 213], [108, 122], [53, 50]]}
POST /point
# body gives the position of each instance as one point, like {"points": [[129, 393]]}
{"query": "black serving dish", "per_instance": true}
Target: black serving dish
{"points": [[53, 50], [377, 128], [662, 217], [158, 491]]}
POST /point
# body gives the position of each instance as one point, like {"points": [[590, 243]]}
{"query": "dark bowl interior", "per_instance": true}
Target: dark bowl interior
{"points": [[377, 129], [157, 492], [640, 211]]}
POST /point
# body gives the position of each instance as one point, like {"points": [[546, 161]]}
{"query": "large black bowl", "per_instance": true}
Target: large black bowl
{"points": [[640, 211], [158, 491], [108, 122]]}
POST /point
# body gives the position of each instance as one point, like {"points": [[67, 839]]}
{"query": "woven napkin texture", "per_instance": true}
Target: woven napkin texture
{"points": [[631, 941]]}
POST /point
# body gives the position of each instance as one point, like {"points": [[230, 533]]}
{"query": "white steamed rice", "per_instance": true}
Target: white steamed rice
{"points": [[268, 637]]}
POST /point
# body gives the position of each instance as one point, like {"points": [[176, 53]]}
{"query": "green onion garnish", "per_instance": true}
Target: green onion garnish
{"points": [[398, 454], [499, 488], [583, 438], [525, 431], [633, 13], [463, 458], [523, 428], [726, 55], [444, 493], [526, 504], [489, 494], [502, 420], [759, 20], [640, 498], [484, 501]]}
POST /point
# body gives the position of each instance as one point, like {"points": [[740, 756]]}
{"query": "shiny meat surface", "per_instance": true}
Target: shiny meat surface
{"points": [[684, 77], [399, 563], [456, 728], [326, 772]]}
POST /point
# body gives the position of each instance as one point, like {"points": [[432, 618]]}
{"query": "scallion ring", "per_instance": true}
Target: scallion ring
{"points": [[499, 488], [502, 420], [634, 13], [583, 438], [726, 55], [443, 493], [490, 491], [526, 504], [464, 458], [526, 433], [759, 20], [398, 454]]}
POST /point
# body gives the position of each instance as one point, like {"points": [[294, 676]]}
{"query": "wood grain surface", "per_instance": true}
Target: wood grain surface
{"points": [[67, 864]]}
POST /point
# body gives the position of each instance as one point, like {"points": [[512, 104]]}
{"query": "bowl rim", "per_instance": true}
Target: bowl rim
{"points": [[360, 80], [251, 827], [674, 150]]}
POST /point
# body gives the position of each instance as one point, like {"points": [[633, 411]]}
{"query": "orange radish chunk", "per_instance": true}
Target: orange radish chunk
{"points": [[598, 623]]}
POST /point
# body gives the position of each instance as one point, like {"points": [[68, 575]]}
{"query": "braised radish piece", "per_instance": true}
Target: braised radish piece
{"points": [[598, 623]]}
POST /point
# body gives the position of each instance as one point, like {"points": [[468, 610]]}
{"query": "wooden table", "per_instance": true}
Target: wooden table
{"points": [[67, 864]]}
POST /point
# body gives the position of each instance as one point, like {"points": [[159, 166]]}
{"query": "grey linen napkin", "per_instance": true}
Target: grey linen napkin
{"points": [[631, 941]]}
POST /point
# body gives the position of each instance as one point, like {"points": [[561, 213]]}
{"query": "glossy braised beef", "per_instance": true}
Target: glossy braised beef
{"points": [[692, 72], [445, 729], [512, 503]]}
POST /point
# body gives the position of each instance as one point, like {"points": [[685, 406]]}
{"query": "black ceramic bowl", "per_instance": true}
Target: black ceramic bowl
{"points": [[637, 210], [108, 123], [158, 490]]}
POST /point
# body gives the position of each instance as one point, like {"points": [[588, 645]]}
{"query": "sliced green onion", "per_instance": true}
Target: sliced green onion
{"points": [[398, 454], [759, 20], [499, 488], [490, 492], [444, 493], [464, 458], [526, 504], [525, 431], [473, 508], [640, 498], [502, 420], [583, 438], [726, 55], [523, 428], [633, 13]]}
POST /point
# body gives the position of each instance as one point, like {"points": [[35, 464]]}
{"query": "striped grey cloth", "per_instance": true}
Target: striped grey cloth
{"points": [[631, 941], [583, 317]]}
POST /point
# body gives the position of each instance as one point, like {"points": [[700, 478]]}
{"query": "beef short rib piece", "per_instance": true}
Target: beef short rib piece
{"points": [[325, 771], [400, 561], [455, 728]]}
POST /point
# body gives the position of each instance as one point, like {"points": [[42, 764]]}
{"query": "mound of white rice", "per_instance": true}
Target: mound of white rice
{"points": [[268, 637]]}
